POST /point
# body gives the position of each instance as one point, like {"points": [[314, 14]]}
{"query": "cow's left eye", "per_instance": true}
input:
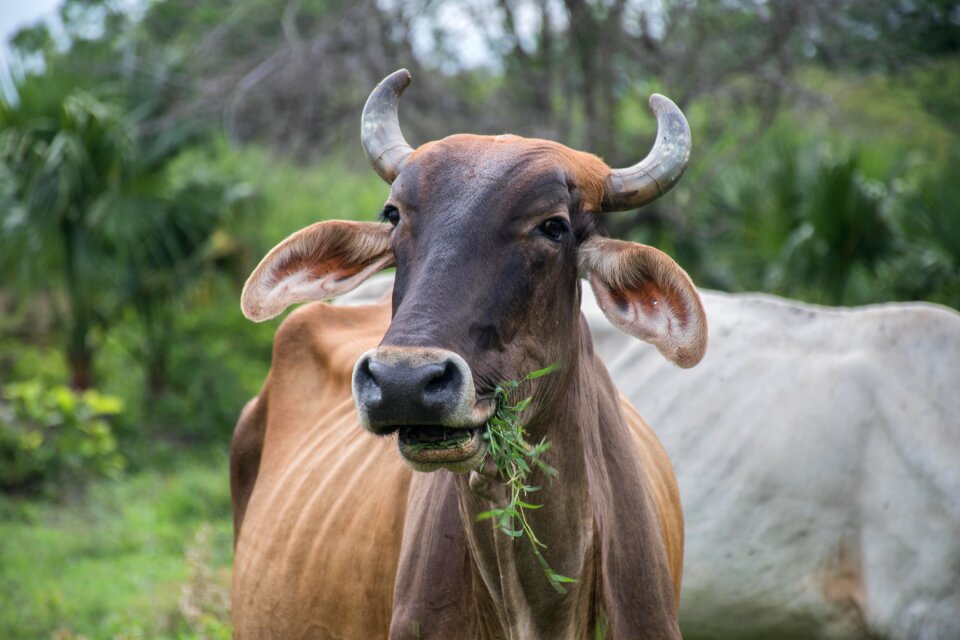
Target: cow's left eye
{"points": [[390, 214], [555, 228]]}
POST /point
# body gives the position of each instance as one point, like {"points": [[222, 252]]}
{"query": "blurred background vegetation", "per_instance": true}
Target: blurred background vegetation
{"points": [[152, 150]]}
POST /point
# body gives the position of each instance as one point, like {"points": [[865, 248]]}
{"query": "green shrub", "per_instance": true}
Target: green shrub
{"points": [[52, 436]]}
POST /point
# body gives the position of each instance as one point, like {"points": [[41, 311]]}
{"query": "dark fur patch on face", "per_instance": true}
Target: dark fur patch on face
{"points": [[476, 272]]}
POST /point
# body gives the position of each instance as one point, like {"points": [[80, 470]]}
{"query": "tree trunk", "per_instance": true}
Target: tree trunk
{"points": [[80, 364], [595, 36], [583, 32], [157, 375], [79, 318]]}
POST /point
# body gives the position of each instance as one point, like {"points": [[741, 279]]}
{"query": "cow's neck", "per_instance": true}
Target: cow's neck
{"points": [[520, 595], [594, 515], [461, 573]]}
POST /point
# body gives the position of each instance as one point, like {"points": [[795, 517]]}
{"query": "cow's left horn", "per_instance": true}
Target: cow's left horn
{"points": [[380, 127], [657, 173]]}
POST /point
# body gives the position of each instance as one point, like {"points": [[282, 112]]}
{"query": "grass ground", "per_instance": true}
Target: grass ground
{"points": [[143, 557]]}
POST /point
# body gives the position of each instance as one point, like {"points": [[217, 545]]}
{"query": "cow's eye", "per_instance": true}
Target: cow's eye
{"points": [[555, 228], [390, 214]]}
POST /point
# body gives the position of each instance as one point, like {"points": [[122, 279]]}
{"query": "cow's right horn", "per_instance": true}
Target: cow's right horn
{"points": [[656, 174], [380, 127]]}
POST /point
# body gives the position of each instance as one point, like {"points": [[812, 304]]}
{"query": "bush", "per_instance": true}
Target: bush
{"points": [[52, 437]]}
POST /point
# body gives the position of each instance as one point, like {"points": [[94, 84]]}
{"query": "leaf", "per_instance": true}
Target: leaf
{"points": [[101, 404], [539, 373], [520, 406], [527, 505], [547, 469]]}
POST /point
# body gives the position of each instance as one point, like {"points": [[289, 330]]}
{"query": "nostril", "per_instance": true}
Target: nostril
{"points": [[365, 381], [447, 378]]}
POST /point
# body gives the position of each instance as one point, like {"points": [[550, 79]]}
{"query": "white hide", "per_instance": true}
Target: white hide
{"points": [[818, 456]]}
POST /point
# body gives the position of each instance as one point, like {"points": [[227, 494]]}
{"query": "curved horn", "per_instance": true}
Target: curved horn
{"points": [[657, 173], [380, 127]]}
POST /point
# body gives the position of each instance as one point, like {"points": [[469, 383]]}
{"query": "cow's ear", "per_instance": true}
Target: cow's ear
{"points": [[646, 294], [325, 260]]}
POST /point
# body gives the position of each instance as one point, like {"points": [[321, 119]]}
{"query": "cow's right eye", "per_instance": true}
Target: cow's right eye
{"points": [[555, 228], [390, 214]]}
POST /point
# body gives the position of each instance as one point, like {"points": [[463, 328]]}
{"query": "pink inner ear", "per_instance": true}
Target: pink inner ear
{"points": [[327, 267], [641, 312], [641, 307], [335, 267], [300, 280], [324, 260], [652, 301], [664, 317]]}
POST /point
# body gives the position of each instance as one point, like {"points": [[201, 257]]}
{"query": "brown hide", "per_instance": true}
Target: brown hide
{"points": [[317, 547], [323, 510]]}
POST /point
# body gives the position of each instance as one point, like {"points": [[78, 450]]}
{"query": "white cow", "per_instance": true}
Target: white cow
{"points": [[818, 456]]}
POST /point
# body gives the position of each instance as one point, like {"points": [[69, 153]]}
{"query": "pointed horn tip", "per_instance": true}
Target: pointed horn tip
{"points": [[398, 80], [659, 102], [666, 111]]}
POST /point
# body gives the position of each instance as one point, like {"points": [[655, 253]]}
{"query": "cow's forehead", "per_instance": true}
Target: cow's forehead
{"points": [[471, 163]]}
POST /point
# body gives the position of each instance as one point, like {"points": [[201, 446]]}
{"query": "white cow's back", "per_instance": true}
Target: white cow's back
{"points": [[818, 456]]}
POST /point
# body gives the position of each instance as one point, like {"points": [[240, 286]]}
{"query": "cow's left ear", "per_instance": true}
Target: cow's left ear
{"points": [[324, 260], [643, 292]]}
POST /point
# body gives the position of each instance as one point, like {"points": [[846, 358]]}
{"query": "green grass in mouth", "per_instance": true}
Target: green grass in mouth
{"points": [[459, 437], [515, 458]]}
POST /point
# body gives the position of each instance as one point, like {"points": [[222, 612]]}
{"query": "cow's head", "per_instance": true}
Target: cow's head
{"points": [[488, 236]]}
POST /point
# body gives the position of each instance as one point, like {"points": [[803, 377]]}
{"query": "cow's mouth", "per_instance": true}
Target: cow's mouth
{"points": [[430, 447]]}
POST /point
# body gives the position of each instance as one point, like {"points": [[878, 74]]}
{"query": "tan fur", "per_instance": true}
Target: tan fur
{"points": [[318, 544], [656, 465]]}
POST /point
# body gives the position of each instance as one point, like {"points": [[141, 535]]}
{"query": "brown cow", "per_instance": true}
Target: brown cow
{"points": [[336, 537]]}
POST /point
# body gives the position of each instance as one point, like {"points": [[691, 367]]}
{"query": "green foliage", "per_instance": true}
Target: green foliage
{"points": [[294, 196], [146, 556], [600, 630], [54, 438], [937, 87], [928, 225], [806, 219], [885, 35], [62, 150], [515, 459], [181, 354], [218, 361], [100, 206]]}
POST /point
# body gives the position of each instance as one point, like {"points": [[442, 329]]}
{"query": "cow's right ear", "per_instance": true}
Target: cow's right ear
{"points": [[325, 260], [646, 294]]}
